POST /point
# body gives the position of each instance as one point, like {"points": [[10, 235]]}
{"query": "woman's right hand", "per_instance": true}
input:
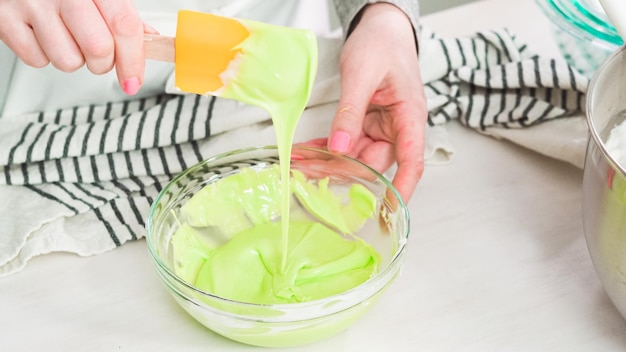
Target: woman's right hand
{"points": [[101, 34]]}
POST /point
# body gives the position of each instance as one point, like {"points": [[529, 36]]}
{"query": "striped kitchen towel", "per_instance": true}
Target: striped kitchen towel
{"points": [[499, 87], [81, 180], [489, 80]]}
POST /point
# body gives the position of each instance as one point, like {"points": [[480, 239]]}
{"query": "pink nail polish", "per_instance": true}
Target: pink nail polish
{"points": [[131, 86], [339, 142]]}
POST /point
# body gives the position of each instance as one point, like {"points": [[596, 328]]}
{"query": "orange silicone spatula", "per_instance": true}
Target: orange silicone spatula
{"points": [[210, 51]]}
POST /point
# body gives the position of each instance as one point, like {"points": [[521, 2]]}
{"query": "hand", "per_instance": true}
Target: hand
{"points": [[382, 108], [71, 33]]}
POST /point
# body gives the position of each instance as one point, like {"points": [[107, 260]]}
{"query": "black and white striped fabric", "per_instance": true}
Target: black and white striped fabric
{"points": [[82, 180], [489, 80]]}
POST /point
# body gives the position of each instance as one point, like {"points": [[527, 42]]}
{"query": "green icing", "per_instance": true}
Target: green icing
{"points": [[245, 199], [276, 72], [319, 264], [329, 207], [212, 245], [190, 252], [254, 197]]}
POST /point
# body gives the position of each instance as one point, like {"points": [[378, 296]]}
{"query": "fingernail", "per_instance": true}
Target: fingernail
{"points": [[339, 142], [131, 86], [297, 157], [149, 29]]}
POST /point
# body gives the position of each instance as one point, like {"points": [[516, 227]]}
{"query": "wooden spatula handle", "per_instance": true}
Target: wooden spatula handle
{"points": [[158, 47]]}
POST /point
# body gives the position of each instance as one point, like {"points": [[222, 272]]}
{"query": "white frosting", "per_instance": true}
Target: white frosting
{"points": [[616, 144]]}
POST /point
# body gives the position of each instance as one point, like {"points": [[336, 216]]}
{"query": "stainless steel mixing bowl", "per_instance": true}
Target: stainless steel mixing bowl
{"points": [[604, 180]]}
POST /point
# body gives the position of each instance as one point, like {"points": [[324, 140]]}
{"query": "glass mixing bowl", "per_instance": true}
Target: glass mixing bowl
{"points": [[287, 324], [583, 32]]}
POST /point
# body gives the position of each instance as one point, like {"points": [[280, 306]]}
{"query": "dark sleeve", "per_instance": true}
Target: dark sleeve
{"points": [[347, 11]]}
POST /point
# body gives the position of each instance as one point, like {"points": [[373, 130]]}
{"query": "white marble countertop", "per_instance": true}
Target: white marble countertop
{"points": [[497, 261]]}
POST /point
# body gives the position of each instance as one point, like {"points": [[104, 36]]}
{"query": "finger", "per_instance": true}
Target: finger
{"points": [[409, 150], [20, 38], [149, 29], [127, 30], [319, 143], [91, 34], [376, 145], [356, 90], [378, 155], [56, 41]]}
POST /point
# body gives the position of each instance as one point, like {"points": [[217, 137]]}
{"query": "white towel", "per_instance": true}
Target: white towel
{"points": [[82, 180]]}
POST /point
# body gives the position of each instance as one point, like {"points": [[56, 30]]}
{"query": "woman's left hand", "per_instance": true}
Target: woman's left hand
{"points": [[382, 110]]}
